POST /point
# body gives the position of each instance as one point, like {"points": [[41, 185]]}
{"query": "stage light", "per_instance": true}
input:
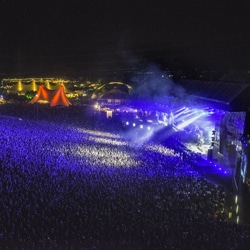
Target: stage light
{"points": [[141, 126], [181, 112], [178, 110], [148, 128], [127, 123], [185, 115], [134, 124], [189, 121]]}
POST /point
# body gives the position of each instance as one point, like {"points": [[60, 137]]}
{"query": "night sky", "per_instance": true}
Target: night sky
{"points": [[51, 35]]}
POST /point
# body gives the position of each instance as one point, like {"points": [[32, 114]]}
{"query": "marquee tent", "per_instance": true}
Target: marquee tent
{"points": [[53, 97], [114, 95]]}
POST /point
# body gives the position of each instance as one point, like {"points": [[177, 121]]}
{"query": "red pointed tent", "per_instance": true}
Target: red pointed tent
{"points": [[55, 97], [60, 98]]}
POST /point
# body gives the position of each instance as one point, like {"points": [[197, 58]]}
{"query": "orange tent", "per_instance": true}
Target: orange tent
{"points": [[54, 97], [60, 98]]}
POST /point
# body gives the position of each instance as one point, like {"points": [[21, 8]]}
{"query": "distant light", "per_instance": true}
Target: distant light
{"points": [[219, 168], [238, 219], [134, 124], [236, 199], [148, 128], [127, 123], [141, 126]]}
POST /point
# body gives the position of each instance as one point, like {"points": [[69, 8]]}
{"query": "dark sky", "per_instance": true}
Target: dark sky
{"points": [[43, 34]]}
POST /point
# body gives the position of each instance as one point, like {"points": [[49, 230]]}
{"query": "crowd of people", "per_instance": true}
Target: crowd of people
{"points": [[69, 184]]}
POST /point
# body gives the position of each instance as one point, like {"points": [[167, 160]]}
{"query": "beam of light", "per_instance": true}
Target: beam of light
{"points": [[178, 110], [90, 154], [148, 133], [185, 116], [190, 121], [181, 110], [162, 150], [145, 137], [181, 113], [87, 154], [98, 133], [107, 141]]}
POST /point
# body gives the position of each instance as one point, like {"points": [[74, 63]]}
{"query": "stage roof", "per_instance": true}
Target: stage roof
{"points": [[227, 96]]}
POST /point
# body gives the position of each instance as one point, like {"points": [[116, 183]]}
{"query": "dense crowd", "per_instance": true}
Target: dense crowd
{"points": [[65, 186]]}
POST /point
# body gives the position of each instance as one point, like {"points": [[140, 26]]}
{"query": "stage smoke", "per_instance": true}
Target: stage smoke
{"points": [[155, 85]]}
